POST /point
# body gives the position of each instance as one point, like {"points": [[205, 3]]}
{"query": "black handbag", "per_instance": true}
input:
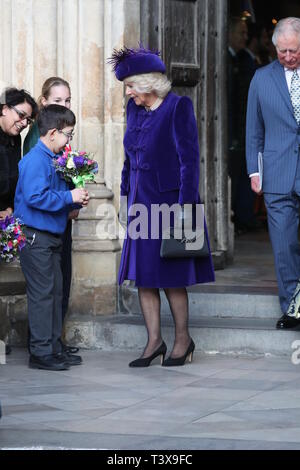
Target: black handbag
{"points": [[183, 247]]}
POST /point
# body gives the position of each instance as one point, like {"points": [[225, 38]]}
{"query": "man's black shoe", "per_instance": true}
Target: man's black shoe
{"points": [[49, 362], [285, 322], [70, 359]]}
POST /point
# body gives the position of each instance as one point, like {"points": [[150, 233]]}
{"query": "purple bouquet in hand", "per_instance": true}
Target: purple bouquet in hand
{"points": [[12, 239], [77, 167]]}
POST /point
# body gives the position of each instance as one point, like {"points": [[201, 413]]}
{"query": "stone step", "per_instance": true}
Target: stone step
{"points": [[12, 281], [12, 288], [215, 301], [244, 336]]}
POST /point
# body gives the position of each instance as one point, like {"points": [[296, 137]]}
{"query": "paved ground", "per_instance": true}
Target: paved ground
{"points": [[216, 402]]}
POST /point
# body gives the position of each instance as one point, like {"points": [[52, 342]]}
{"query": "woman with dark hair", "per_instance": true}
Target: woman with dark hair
{"points": [[17, 110]]}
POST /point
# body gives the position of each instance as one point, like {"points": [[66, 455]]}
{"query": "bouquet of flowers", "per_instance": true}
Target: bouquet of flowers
{"points": [[75, 166], [12, 239]]}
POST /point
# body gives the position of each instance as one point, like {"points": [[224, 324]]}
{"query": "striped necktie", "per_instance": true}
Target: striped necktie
{"points": [[295, 95]]}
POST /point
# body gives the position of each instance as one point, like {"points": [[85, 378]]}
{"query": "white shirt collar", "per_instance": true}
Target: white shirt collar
{"points": [[291, 70], [288, 76], [250, 53], [232, 51], [155, 105]]}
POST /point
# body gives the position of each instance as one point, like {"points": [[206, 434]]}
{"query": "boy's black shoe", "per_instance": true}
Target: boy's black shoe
{"points": [[70, 359], [49, 362]]}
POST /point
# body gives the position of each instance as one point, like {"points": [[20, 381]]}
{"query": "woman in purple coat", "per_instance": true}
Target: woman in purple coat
{"points": [[161, 167]]}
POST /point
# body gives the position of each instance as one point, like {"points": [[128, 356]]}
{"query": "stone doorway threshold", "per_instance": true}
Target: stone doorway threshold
{"points": [[252, 270]]}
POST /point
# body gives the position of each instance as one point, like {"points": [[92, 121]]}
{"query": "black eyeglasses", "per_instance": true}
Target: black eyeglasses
{"points": [[22, 115], [69, 136]]}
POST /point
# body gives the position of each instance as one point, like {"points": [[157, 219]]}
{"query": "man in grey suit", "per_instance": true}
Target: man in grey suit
{"points": [[273, 128]]}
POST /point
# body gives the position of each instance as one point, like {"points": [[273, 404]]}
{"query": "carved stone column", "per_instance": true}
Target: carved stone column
{"points": [[96, 248]]}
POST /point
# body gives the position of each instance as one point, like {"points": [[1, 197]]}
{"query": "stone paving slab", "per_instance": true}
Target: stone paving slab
{"points": [[217, 402]]}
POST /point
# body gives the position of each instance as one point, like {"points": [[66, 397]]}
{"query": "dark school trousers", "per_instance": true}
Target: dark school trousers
{"points": [[41, 265]]}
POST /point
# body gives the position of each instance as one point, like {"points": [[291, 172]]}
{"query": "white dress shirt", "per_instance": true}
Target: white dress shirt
{"points": [[288, 76], [232, 51]]}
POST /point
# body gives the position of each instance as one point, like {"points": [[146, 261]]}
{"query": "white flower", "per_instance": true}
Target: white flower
{"points": [[70, 163]]}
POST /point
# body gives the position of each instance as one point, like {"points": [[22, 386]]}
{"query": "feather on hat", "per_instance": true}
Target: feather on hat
{"points": [[127, 62]]}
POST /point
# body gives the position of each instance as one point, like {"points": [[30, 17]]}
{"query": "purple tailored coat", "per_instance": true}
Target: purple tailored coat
{"points": [[161, 166]]}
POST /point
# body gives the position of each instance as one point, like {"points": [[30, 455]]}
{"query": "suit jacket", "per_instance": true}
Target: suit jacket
{"points": [[272, 129]]}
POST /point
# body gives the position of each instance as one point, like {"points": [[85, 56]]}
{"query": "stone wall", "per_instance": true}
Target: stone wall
{"points": [[73, 39], [13, 305]]}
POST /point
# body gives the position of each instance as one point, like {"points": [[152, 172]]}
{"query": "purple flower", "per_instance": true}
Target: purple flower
{"points": [[79, 161], [61, 161], [6, 222], [3, 225]]}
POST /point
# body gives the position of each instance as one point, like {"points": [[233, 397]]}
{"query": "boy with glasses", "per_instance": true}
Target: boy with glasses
{"points": [[43, 202]]}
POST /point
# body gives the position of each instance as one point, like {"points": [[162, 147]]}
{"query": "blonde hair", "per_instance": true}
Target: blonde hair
{"points": [[154, 82], [48, 84]]}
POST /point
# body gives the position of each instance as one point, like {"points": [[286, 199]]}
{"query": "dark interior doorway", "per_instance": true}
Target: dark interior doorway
{"points": [[277, 9], [260, 18], [264, 11]]}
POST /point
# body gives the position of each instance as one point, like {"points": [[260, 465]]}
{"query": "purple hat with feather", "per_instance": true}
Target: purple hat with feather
{"points": [[127, 62]]}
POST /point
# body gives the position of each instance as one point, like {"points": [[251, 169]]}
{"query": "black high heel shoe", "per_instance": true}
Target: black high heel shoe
{"points": [[179, 361], [146, 361]]}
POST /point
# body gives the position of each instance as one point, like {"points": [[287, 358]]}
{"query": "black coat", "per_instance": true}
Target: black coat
{"points": [[10, 155], [234, 101], [247, 68]]}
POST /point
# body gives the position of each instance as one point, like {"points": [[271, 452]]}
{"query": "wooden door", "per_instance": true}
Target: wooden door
{"points": [[192, 37]]}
